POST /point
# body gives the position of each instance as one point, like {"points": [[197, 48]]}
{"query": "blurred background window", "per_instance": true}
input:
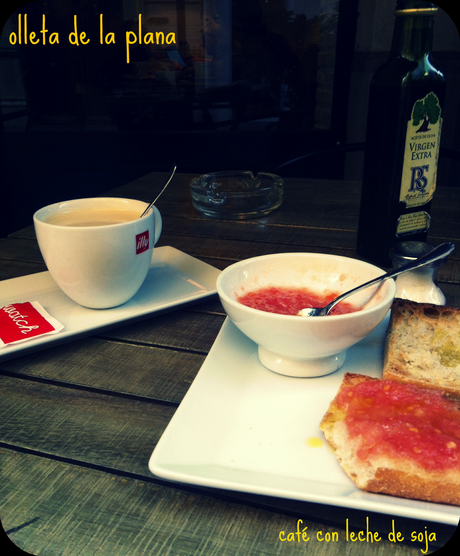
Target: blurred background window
{"points": [[243, 85], [248, 65]]}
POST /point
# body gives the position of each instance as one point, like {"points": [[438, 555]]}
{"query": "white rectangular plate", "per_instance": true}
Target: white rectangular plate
{"points": [[174, 278], [242, 427]]}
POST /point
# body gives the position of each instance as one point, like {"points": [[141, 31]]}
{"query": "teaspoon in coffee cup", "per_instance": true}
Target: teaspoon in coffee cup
{"points": [[171, 175], [439, 252]]}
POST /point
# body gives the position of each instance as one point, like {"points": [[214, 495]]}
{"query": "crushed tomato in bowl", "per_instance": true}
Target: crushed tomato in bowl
{"points": [[289, 301]]}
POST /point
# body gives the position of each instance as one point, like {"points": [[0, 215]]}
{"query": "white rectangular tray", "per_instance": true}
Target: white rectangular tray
{"points": [[242, 427], [174, 278]]}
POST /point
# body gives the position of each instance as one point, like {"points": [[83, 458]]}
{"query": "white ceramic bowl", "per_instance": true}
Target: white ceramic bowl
{"points": [[304, 346]]}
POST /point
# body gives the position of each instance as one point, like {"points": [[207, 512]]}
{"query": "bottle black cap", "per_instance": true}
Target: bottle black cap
{"points": [[406, 251]]}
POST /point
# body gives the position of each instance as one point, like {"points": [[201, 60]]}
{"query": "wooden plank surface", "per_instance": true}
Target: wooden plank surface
{"points": [[140, 359], [86, 426], [78, 422], [72, 512]]}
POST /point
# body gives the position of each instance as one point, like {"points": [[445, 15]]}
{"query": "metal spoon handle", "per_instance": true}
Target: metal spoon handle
{"points": [[171, 175], [439, 252]]}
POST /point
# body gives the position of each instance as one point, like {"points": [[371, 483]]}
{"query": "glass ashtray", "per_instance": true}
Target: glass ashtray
{"points": [[236, 195]]}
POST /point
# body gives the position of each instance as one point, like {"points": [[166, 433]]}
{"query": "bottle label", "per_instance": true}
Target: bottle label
{"points": [[412, 222], [418, 182]]}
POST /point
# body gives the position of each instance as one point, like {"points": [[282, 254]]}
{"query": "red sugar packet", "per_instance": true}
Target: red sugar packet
{"points": [[20, 322]]}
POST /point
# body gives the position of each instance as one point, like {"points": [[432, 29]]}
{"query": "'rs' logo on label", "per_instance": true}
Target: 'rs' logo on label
{"points": [[418, 180], [142, 242]]}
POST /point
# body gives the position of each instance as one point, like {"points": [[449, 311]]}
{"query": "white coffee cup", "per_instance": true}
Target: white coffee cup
{"points": [[96, 262]]}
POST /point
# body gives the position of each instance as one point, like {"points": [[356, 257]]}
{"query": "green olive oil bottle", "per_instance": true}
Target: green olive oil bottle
{"points": [[403, 137]]}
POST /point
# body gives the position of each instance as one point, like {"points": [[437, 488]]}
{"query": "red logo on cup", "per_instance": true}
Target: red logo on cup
{"points": [[142, 242]]}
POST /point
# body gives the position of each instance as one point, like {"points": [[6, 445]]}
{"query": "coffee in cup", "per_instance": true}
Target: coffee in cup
{"points": [[98, 250], [92, 217]]}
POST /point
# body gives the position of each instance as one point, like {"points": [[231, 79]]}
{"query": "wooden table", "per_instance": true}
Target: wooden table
{"points": [[79, 421]]}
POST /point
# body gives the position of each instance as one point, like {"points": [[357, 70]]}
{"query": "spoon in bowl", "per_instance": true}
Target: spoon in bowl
{"points": [[171, 175], [439, 252]]}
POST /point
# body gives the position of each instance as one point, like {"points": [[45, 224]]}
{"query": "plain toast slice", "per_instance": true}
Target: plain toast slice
{"points": [[422, 345]]}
